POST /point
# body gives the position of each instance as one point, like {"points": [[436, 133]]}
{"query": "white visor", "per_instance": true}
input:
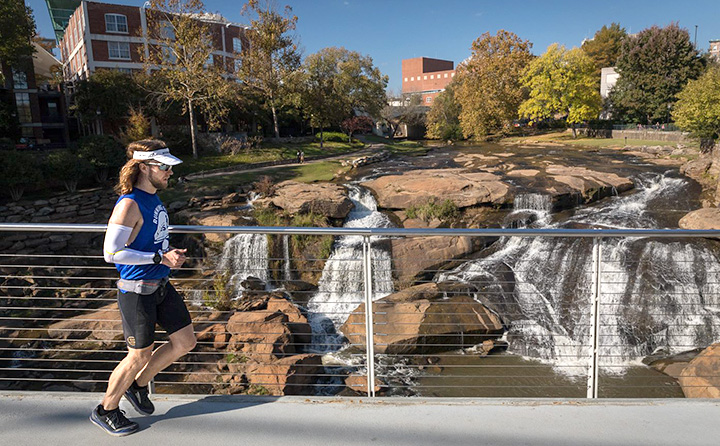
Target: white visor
{"points": [[161, 156]]}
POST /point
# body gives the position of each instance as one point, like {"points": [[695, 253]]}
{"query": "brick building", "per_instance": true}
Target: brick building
{"points": [[714, 49], [427, 77], [109, 36]]}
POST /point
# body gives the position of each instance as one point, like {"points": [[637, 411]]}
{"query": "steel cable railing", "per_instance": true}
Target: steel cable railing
{"points": [[292, 317]]}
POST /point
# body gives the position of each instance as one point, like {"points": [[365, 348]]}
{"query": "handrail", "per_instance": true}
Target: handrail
{"points": [[380, 232]]}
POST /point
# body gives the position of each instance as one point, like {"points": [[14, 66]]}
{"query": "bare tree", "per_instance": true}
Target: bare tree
{"points": [[407, 109]]}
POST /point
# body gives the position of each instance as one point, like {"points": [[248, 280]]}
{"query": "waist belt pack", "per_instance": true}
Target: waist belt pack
{"points": [[141, 286]]}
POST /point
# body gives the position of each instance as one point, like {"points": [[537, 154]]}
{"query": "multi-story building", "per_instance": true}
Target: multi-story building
{"points": [[714, 50], [426, 77], [39, 105], [109, 36]]}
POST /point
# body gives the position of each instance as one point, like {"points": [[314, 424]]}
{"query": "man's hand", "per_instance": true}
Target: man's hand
{"points": [[174, 258]]}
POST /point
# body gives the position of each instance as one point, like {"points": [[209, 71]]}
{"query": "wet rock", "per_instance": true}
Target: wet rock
{"points": [[418, 187], [322, 198], [358, 383], [253, 284], [292, 375], [103, 324], [701, 378], [706, 218], [422, 319], [413, 255]]}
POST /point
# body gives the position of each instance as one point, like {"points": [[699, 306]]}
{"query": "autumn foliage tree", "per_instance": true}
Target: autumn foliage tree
{"points": [[698, 107], [654, 66], [180, 58], [561, 82], [489, 91], [443, 119], [356, 124], [272, 57], [604, 48]]}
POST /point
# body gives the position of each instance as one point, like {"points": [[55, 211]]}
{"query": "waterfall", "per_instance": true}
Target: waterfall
{"points": [[341, 286], [245, 255], [286, 263], [656, 295]]}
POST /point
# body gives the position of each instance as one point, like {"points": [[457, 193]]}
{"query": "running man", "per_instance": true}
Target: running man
{"points": [[137, 242]]}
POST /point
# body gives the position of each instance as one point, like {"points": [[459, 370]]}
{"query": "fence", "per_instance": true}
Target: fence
{"points": [[538, 313]]}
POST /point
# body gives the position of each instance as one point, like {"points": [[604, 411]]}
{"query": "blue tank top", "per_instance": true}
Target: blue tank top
{"points": [[152, 237]]}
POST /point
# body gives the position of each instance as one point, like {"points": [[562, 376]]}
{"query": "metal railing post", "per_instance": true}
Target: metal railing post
{"points": [[592, 386], [151, 386], [369, 332]]}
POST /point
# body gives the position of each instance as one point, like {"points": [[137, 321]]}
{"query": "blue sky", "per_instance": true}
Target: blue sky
{"points": [[392, 30]]}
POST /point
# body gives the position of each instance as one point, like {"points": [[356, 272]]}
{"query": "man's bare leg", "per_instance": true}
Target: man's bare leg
{"points": [[124, 374], [178, 345]]}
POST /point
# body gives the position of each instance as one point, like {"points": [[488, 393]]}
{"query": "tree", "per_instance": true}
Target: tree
{"points": [[272, 56], [408, 110], [67, 167], [109, 94], [698, 107], [604, 48], [104, 153], [17, 29], [356, 124], [443, 119], [561, 82], [489, 90], [18, 171], [335, 82], [654, 66], [180, 57]]}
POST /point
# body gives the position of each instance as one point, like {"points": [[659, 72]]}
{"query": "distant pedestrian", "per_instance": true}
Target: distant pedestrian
{"points": [[299, 159], [302, 157]]}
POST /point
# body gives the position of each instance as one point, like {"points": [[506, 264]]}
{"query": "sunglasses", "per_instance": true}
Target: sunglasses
{"points": [[161, 166]]}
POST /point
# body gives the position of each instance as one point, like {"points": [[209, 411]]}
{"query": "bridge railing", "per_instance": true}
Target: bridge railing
{"points": [[454, 312]]}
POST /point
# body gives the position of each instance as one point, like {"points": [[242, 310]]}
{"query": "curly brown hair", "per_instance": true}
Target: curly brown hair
{"points": [[130, 171]]}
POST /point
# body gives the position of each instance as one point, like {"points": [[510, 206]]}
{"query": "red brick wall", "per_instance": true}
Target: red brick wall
{"points": [[423, 74], [96, 18]]}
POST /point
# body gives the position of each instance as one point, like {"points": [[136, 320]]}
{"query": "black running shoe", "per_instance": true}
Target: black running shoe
{"points": [[139, 397], [113, 422]]}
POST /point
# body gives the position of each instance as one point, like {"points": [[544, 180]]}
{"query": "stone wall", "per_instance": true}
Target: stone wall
{"points": [[88, 207], [647, 134]]}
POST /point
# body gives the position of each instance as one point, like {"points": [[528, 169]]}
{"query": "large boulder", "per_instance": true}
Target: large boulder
{"points": [[418, 187], [261, 335], [292, 375], [701, 378], [591, 184], [421, 319], [413, 255], [216, 218], [706, 218], [103, 324], [320, 198]]}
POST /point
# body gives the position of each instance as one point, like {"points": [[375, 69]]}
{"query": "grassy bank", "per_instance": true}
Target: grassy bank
{"points": [[566, 138], [268, 152], [409, 148], [305, 173]]}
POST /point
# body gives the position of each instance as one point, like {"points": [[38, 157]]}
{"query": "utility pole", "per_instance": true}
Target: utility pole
{"points": [[695, 44]]}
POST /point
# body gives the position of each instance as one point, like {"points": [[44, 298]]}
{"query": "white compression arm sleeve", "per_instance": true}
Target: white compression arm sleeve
{"points": [[116, 251]]}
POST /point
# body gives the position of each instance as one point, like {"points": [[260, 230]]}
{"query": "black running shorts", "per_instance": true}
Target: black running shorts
{"points": [[140, 313]]}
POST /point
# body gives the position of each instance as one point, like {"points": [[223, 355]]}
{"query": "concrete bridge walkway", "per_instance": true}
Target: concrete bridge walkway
{"points": [[33, 418]]}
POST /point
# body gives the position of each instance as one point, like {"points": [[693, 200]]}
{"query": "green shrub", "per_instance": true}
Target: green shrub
{"points": [[267, 216], [332, 136], [431, 210], [18, 171], [68, 167], [104, 152], [220, 296]]}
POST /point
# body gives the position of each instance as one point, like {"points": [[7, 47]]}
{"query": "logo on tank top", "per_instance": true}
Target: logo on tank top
{"points": [[162, 222]]}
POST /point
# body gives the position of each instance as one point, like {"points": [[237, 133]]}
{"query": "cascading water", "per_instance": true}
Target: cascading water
{"points": [[243, 256], [656, 294], [341, 285]]}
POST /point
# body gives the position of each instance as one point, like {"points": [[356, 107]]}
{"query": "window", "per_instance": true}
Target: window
{"points": [[116, 23], [210, 61], [19, 79], [405, 79], [237, 44], [445, 74], [238, 65], [424, 78], [119, 50], [22, 102], [412, 78], [452, 74], [432, 76], [167, 30], [428, 99]]}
